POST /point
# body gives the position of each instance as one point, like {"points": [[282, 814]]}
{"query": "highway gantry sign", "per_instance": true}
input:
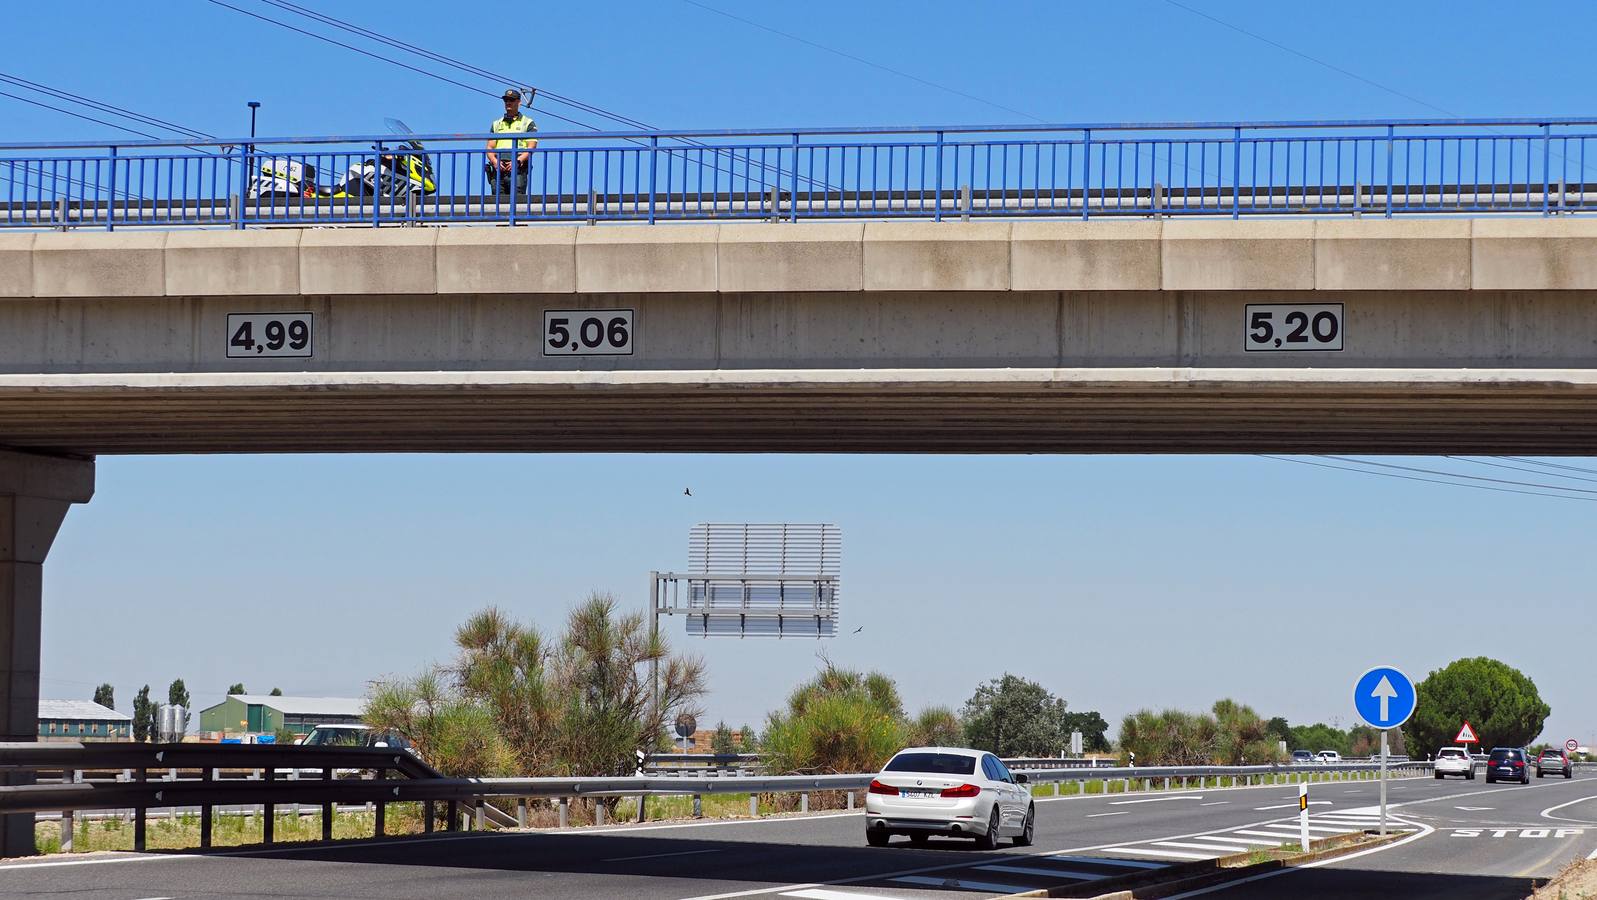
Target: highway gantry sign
{"points": [[1384, 697]]}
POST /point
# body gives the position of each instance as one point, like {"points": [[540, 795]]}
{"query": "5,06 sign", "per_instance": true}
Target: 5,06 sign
{"points": [[587, 332], [1291, 326]]}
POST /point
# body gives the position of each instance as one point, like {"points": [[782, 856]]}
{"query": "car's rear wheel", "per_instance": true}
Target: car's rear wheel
{"points": [[1490, 780], [1540, 774], [1026, 835], [988, 840], [1469, 776], [1570, 774], [876, 837], [1438, 776]]}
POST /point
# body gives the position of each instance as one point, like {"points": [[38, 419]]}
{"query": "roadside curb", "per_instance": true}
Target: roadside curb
{"points": [[1190, 876]]}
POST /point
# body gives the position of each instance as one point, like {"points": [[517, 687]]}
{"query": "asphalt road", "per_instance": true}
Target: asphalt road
{"points": [[1485, 843], [823, 856]]}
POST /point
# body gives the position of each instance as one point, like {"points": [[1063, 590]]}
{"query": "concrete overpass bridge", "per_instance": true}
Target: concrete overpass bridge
{"points": [[1320, 315]]}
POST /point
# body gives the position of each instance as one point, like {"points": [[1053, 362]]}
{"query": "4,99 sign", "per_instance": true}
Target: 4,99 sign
{"points": [[587, 332], [269, 335], [1292, 326]]}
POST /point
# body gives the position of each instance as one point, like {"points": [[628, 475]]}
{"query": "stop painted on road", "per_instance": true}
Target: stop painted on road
{"points": [[1517, 832]]}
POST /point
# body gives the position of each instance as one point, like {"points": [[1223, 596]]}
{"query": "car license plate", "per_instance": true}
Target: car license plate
{"points": [[920, 795]]}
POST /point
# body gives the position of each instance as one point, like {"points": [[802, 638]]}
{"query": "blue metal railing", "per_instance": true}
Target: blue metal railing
{"points": [[1224, 169]]}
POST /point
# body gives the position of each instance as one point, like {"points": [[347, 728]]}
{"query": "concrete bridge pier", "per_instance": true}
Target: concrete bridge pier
{"points": [[35, 493]]}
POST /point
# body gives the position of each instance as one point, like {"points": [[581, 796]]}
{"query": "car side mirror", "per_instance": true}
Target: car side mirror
{"points": [[1020, 778]]}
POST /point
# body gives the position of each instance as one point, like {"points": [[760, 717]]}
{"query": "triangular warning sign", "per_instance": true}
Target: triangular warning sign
{"points": [[1466, 735]]}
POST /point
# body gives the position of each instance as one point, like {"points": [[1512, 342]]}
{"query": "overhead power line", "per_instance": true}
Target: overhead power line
{"points": [[1499, 465], [60, 94], [1478, 487], [1556, 487]]}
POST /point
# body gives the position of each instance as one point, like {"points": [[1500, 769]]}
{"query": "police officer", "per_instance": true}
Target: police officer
{"points": [[498, 167]]}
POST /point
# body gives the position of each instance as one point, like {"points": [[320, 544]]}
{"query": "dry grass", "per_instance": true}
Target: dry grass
{"points": [[1578, 881]]}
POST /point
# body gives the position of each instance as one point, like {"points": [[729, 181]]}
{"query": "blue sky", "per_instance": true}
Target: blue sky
{"points": [[1120, 582]]}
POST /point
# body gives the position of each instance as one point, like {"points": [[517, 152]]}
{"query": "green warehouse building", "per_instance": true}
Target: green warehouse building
{"points": [[256, 714]]}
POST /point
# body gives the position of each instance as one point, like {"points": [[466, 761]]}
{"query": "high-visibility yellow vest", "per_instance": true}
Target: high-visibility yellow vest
{"points": [[520, 125]]}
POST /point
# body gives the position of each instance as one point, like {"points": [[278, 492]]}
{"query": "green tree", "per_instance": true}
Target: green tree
{"points": [[747, 742], [1094, 730], [143, 715], [721, 744], [178, 695], [838, 721], [1280, 730], [105, 695], [453, 734], [936, 726], [1500, 702], [1319, 736], [276, 692], [236, 688], [1169, 738], [1012, 716], [1242, 737]]}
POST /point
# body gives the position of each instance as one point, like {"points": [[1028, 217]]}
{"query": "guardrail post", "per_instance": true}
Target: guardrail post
{"points": [[1236, 173], [477, 818], [1546, 165], [110, 196], [599, 811], [268, 812], [643, 807], [139, 824], [1147, 784], [427, 817], [937, 191], [1358, 198], [521, 812], [66, 831], [565, 812], [804, 803], [206, 811], [1056, 789], [1086, 169], [1390, 150], [851, 798], [754, 805], [1167, 784], [380, 809], [775, 200], [964, 202], [654, 152], [1158, 200], [1126, 787], [453, 824], [327, 808], [792, 181]]}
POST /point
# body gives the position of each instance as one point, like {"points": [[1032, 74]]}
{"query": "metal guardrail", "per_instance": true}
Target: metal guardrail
{"points": [[1535, 166], [418, 782]]}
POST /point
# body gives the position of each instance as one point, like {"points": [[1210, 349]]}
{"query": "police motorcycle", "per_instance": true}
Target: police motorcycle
{"points": [[392, 175], [407, 169]]}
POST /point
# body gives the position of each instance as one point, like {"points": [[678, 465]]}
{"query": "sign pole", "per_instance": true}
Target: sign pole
{"points": [[1303, 815], [1383, 782]]}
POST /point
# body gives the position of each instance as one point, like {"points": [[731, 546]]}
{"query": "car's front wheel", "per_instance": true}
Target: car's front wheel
{"points": [[1026, 835], [988, 840], [876, 837]]}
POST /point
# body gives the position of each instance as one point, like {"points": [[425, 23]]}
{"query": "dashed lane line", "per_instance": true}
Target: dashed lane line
{"points": [[1104, 815], [1157, 799]]}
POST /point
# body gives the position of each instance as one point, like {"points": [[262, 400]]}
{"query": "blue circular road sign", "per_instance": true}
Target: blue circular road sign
{"points": [[1384, 697]]}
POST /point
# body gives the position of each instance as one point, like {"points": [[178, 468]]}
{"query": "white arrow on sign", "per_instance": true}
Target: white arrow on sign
{"points": [[1384, 692]]}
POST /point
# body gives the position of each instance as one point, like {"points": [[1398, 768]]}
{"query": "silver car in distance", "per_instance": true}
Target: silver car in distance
{"points": [[948, 791]]}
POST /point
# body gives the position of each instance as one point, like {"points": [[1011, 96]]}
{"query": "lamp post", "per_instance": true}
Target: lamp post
{"points": [[253, 105]]}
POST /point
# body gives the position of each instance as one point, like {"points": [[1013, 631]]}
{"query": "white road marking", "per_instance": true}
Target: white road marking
{"points": [[1548, 812], [1172, 853], [822, 894], [1157, 799], [1215, 803], [1192, 845], [1424, 830], [659, 855], [1231, 838], [1046, 873], [1101, 815], [1479, 808], [1259, 833], [1593, 855], [960, 883], [1105, 861], [95, 862]]}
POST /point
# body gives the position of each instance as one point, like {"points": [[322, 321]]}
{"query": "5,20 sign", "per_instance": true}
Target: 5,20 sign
{"points": [[588, 332], [1272, 327]]}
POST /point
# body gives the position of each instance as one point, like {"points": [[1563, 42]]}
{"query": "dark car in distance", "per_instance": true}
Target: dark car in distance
{"points": [[1508, 764], [1556, 762]]}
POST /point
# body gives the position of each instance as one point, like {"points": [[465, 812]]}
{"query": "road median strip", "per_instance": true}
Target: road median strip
{"points": [[1179, 878]]}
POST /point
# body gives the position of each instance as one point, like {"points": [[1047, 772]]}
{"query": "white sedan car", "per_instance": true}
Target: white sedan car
{"points": [[924, 791]]}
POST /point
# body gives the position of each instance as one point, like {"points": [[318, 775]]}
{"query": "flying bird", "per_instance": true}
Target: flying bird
{"points": [[859, 629], [687, 492]]}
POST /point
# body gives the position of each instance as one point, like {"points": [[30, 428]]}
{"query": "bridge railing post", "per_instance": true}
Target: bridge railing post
{"points": [[1391, 150], [1086, 169], [654, 152], [1236, 173], [237, 204], [792, 181], [377, 181], [110, 194], [937, 184], [1547, 165]]}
